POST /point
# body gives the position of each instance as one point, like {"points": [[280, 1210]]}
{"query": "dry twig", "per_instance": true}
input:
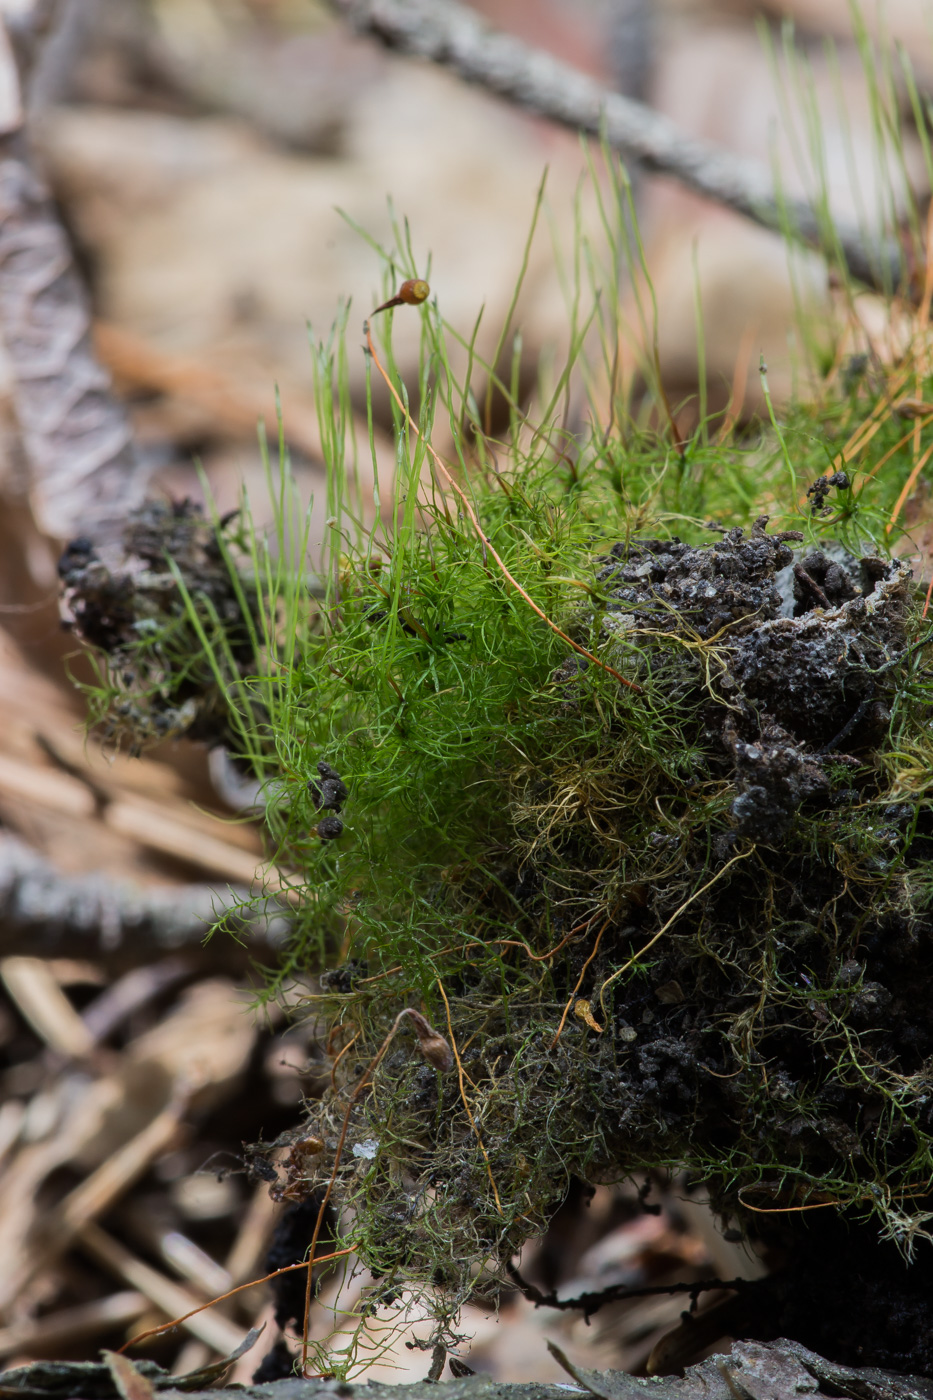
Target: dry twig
{"points": [[450, 34], [42, 909]]}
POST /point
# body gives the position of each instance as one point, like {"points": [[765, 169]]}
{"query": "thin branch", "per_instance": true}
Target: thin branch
{"points": [[589, 1303], [451, 35], [43, 910]]}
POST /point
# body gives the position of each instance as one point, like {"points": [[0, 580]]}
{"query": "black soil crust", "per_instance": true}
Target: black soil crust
{"points": [[133, 603], [845, 1290]]}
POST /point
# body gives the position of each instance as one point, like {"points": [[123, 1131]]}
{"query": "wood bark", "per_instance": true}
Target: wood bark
{"points": [[77, 436]]}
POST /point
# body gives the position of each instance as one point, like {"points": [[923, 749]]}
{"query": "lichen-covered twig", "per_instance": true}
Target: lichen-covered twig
{"points": [[44, 910], [450, 34], [591, 1302]]}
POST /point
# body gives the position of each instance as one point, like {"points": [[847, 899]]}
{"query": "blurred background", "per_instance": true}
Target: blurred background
{"points": [[209, 160]]}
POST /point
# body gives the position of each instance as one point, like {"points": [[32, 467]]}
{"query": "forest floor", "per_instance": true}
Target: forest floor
{"points": [[136, 1066]]}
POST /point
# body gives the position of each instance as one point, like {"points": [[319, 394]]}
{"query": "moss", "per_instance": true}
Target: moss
{"points": [[715, 803], [680, 922], [670, 901]]}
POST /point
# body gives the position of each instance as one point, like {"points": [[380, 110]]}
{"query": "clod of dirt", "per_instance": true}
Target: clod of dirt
{"points": [[665, 583], [128, 603], [772, 779], [811, 672], [794, 687]]}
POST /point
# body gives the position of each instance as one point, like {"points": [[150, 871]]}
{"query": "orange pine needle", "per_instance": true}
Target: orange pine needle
{"points": [[253, 1283], [907, 488], [563, 1019], [901, 442]]}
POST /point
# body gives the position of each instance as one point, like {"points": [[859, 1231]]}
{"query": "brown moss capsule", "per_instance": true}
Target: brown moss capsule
{"points": [[412, 292], [431, 1043]]}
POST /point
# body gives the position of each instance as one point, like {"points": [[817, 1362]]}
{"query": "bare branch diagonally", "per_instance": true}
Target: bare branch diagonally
{"points": [[451, 35]]}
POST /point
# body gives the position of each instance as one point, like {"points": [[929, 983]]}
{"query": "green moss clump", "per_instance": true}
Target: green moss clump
{"points": [[669, 905], [677, 925]]}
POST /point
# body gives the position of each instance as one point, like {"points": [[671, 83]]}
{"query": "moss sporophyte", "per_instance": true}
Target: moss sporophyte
{"points": [[610, 788]]}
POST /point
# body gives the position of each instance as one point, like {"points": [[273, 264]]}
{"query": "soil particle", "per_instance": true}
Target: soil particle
{"points": [[667, 1072], [330, 792], [869, 1005], [660, 583], [793, 687], [817, 493], [772, 778]]}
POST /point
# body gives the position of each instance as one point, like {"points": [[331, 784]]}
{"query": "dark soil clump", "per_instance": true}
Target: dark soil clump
{"points": [[135, 605], [855, 1297]]}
